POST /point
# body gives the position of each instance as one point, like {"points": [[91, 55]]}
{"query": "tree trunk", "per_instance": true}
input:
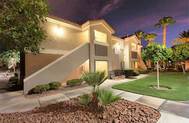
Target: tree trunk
{"points": [[22, 68], [164, 36], [183, 69], [158, 74], [94, 102]]}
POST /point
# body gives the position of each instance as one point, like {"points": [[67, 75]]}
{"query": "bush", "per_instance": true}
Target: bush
{"points": [[128, 73], [106, 97], [143, 71], [39, 89], [14, 83], [44, 87], [74, 82], [85, 99], [54, 85]]}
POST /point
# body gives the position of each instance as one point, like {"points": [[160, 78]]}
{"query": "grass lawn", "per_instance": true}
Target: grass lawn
{"points": [[177, 81]]}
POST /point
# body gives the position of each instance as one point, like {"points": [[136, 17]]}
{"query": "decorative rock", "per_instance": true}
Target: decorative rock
{"points": [[122, 111]]}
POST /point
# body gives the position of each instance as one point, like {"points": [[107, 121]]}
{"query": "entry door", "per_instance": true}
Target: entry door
{"points": [[101, 66]]}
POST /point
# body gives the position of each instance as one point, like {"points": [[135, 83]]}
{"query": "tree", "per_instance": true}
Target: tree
{"points": [[20, 26], [10, 58], [180, 54], [183, 38], [164, 22], [184, 34], [155, 53], [140, 34], [150, 37], [94, 79]]}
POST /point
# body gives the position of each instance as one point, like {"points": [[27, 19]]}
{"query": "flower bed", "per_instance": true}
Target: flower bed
{"points": [[122, 111]]}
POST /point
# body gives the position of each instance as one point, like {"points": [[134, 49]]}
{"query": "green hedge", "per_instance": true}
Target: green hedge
{"points": [[74, 82], [54, 85], [44, 87], [143, 71], [130, 72]]}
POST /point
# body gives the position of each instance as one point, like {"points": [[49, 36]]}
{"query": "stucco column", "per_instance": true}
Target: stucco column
{"points": [[91, 51]]}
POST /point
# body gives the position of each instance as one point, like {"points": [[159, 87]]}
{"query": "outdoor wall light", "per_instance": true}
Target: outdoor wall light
{"points": [[58, 31]]}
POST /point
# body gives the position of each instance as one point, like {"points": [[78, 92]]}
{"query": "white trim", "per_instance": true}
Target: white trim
{"points": [[52, 63], [53, 51], [117, 38], [88, 24], [100, 43], [66, 24]]}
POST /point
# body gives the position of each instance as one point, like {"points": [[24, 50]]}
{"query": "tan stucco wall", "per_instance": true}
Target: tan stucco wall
{"points": [[128, 60], [102, 29], [70, 39], [187, 65], [36, 62], [77, 73], [59, 69]]}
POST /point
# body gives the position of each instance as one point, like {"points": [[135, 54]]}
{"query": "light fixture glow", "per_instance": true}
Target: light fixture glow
{"points": [[58, 31]]}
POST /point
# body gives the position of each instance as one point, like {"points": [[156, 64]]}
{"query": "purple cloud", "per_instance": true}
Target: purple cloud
{"points": [[113, 4]]}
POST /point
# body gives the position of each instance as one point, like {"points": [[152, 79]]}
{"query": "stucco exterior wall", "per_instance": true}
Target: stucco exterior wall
{"points": [[68, 39], [93, 58], [59, 69], [36, 62], [187, 65]]}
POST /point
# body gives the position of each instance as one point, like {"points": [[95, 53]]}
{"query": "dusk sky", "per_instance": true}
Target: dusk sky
{"points": [[126, 16]]}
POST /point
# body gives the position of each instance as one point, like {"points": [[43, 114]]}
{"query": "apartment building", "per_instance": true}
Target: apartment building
{"points": [[71, 49]]}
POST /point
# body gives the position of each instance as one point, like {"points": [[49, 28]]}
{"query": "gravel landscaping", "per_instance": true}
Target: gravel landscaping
{"points": [[121, 111]]}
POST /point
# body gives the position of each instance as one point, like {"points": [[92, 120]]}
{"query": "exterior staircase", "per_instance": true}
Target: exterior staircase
{"points": [[59, 69]]}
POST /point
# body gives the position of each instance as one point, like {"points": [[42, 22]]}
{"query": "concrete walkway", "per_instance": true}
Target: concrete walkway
{"points": [[171, 111]]}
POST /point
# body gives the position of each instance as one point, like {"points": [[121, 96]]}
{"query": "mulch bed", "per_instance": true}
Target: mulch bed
{"points": [[121, 111]]}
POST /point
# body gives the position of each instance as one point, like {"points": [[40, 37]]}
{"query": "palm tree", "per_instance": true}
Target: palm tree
{"points": [[183, 38], [184, 34], [94, 79], [150, 37], [140, 34], [164, 22]]}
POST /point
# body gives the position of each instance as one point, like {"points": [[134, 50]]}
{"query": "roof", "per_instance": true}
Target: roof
{"points": [[99, 21], [63, 20], [80, 27]]}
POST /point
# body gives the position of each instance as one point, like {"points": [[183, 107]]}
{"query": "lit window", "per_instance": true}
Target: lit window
{"points": [[102, 66], [100, 37], [133, 46]]}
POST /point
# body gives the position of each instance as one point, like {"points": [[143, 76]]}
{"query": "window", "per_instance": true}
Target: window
{"points": [[101, 66], [100, 37], [133, 46], [134, 55], [134, 64], [101, 50]]}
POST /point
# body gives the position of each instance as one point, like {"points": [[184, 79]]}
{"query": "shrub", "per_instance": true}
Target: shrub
{"points": [[54, 85], [143, 71], [85, 99], [128, 73], [74, 82], [39, 89], [44, 87], [106, 97], [14, 83]]}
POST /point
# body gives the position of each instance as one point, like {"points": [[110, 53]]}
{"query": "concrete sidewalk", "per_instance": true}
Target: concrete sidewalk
{"points": [[171, 111]]}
